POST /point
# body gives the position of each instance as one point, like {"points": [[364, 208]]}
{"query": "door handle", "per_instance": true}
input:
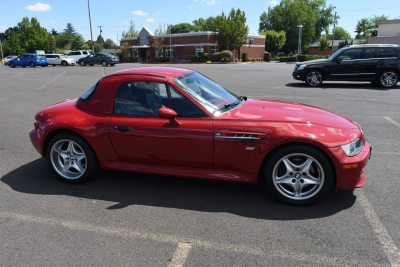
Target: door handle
{"points": [[122, 127]]}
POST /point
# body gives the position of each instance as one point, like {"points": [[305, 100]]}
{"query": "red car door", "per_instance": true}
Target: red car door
{"points": [[140, 136]]}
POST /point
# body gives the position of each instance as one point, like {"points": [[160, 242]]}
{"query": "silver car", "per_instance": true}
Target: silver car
{"points": [[8, 58], [59, 59]]}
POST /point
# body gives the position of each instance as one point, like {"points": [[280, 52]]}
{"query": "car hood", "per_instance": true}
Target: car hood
{"points": [[287, 112], [316, 61]]}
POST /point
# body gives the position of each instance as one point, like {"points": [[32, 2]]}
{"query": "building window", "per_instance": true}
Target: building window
{"points": [[159, 52], [135, 52], [214, 49], [198, 50], [169, 52]]}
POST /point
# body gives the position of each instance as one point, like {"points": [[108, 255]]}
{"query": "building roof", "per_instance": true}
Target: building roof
{"points": [[336, 42], [389, 21]]}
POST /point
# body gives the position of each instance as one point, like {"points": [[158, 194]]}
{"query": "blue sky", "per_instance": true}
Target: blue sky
{"points": [[115, 15]]}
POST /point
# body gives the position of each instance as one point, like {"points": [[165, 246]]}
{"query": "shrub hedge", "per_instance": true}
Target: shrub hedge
{"points": [[288, 59], [160, 59], [267, 57], [245, 57]]}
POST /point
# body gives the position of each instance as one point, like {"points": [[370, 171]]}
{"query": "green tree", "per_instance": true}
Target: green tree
{"points": [[374, 21], [160, 30], [208, 24], [109, 44], [54, 32], [63, 39], [78, 42], [340, 34], [69, 28], [274, 41], [183, 28], [232, 30], [323, 43], [363, 28], [132, 32], [313, 15], [31, 35], [52, 43]]}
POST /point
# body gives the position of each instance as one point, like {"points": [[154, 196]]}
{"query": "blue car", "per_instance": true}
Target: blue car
{"points": [[31, 60]]}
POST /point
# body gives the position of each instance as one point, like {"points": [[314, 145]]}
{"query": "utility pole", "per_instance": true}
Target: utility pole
{"points": [[1, 48], [299, 43], [90, 20], [100, 36], [333, 32]]}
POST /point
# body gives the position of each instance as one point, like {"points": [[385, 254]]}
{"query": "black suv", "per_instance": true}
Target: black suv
{"points": [[377, 63]]}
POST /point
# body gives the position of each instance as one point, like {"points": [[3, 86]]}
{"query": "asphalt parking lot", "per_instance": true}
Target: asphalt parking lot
{"points": [[125, 219]]}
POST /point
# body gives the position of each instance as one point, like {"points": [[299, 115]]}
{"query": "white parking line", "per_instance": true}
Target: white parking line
{"points": [[180, 255], [52, 80], [169, 239], [392, 121], [389, 247]]}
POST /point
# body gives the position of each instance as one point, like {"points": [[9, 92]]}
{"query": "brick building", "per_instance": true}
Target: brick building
{"points": [[182, 44]]}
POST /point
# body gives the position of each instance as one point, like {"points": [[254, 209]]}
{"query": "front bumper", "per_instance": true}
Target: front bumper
{"points": [[350, 171], [36, 137], [299, 75]]}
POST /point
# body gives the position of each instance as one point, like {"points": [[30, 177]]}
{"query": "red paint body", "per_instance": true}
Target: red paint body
{"points": [[153, 145]]}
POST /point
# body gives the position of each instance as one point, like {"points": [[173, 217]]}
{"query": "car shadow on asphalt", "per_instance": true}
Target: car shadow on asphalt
{"points": [[348, 86], [128, 189]]}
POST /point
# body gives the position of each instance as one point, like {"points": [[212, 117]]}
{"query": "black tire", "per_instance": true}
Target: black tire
{"points": [[82, 63], [314, 78], [53, 65], [90, 64], [12, 65], [64, 63], [86, 161], [112, 64], [305, 180], [24, 66], [43, 65], [104, 63], [32, 64], [388, 78]]}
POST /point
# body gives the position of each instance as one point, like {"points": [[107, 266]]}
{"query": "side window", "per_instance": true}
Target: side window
{"points": [[140, 99], [390, 52], [84, 52], [351, 54], [183, 106]]}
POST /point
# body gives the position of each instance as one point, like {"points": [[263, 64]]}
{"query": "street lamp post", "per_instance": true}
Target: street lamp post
{"points": [[299, 44], [117, 37], [333, 32]]}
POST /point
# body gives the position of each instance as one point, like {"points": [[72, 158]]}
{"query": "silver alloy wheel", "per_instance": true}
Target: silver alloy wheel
{"points": [[104, 63], [64, 63], [314, 78], [388, 79], [68, 159], [298, 176], [83, 63]]}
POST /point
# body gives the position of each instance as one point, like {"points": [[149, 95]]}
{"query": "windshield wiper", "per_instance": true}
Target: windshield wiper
{"points": [[227, 106]]}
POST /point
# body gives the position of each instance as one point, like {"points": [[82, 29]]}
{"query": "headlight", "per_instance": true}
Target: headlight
{"points": [[354, 148], [301, 67]]}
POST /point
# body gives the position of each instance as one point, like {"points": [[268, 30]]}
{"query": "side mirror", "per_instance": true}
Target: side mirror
{"points": [[168, 113], [338, 60]]}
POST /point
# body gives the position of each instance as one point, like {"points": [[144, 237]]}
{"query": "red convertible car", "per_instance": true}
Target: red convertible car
{"points": [[177, 122]]}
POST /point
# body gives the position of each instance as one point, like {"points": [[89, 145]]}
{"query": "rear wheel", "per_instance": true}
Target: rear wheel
{"points": [[298, 175], [64, 63], [53, 65], [388, 79], [104, 63], [71, 158], [112, 64], [12, 65], [24, 66], [32, 64], [90, 64], [83, 63], [314, 78]]}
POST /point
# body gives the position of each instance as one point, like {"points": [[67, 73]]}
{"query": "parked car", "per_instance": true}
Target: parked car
{"points": [[378, 64], [31, 60], [8, 58], [177, 122], [59, 59], [99, 58], [78, 54]]}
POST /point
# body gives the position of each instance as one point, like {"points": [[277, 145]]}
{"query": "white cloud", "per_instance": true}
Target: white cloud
{"points": [[2, 27], [52, 21], [274, 2], [39, 7], [126, 22], [219, 2], [139, 13], [43, 21], [190, 7], [150, 20], [212, 2], [195, 0]]}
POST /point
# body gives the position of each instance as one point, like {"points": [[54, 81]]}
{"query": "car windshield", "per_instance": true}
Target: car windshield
{"points": [[209, 94], [63, 56], [336, 54]]}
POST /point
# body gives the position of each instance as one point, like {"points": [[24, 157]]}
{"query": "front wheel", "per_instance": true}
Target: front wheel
{"points": [[12, 65], [298, 175], [314, 78], [388, 79], [83, 63], [104, 63], [32, 65], [71, 158], [64, 63]]}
